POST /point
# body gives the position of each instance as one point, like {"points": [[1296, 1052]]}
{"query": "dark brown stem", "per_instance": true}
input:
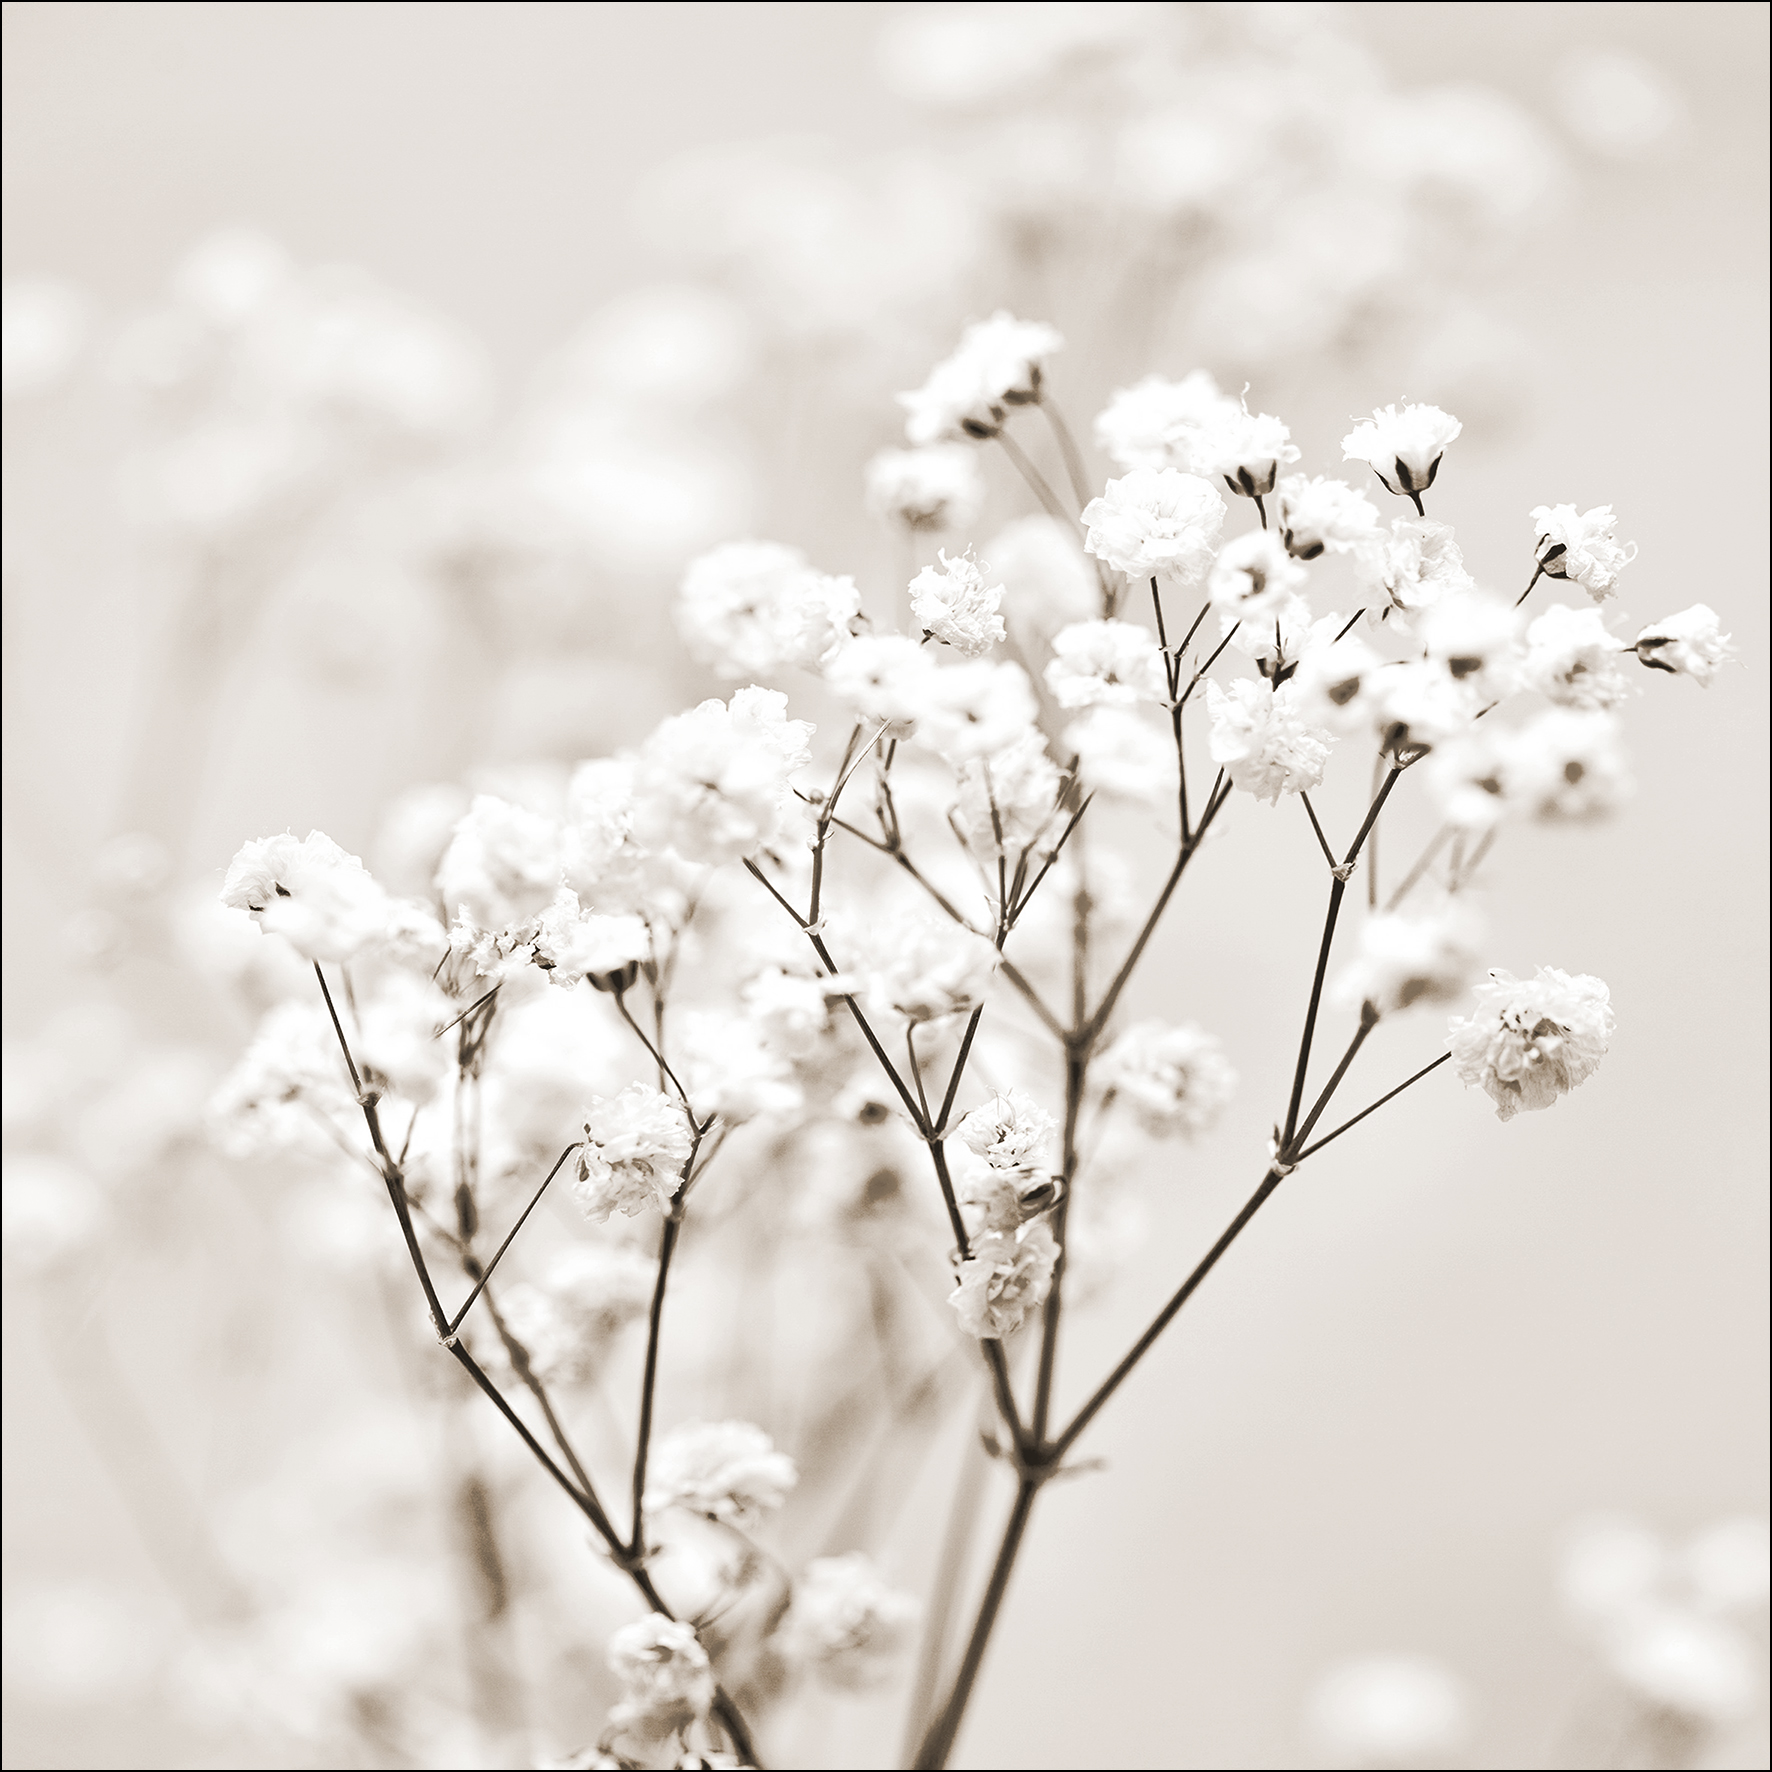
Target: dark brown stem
{"points": [[667, 1243]]}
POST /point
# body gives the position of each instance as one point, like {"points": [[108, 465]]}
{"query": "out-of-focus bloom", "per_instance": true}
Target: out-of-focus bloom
{"points": [[1318, 514], [845, 1624], [1121, 755], [1474, 637], [1417, 706], [929, 969], [727, 1470], [1564, 765], [1334, 683], [1010, 1131], [1246, 449], [1403, 446], [883, 677], [1279, 638], [1008, 800], [1532, 1040], [311, 892], [667, 1681], [588, 1293], [395, 1041], [998, 363], [49, 1210], [954, 605], [730, 1069], [1699, 1668], [1611, 1566], [935, 488], [1264, 742], [1158, 423], [1687, 644], [1045, 573], [1115, 663], [1174, 1077], [43, 326], [1389, 1710], [1254, 575], [752, 608], [1582, 547], [502, 864], [974, 709], [1007, 1275], [1572, 659], [1729, 1564], [286, 1088], [790, 1009], [712, 783], [633, 1153], [1613, 102], [1410, 567], [1410, 957], [571, 944], [1155, 523]]}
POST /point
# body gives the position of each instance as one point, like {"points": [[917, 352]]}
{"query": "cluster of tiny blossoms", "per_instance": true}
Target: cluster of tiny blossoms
{"points": [[898, 973]]}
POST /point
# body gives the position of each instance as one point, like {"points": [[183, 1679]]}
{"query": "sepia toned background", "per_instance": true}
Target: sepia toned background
{"points": [[1447, 1339]]}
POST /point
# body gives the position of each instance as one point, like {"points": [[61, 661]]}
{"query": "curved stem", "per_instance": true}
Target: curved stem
{"points": [[1037, 481]]}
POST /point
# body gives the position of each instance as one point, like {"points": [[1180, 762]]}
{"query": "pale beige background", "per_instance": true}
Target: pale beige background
{"points": [[1444, 1339]]}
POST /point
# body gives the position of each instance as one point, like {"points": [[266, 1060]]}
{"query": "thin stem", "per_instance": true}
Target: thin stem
{"points": [[910, 1044], [1026, 898], [478, 1003], [1199, 676], [518, 1355], [938, 1743], [1350, 624], [658, 1057], [1323, 842], [1067, 447], [1368, 1021], [1435, 844], [1327, 1138], [1536, 576], [667, 1244], [1036, 480], [1075, 1070], [998, 1362], [962, 1517], [338, 1028], [486, 1273], [947, 1101], [939, 1157]]}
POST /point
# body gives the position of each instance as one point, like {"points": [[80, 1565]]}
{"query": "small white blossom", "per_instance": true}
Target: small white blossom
{"points": [[1266, 746], [395, 1041], [1407, 957], [730, 1069], [1159, 424], [1561, 766], [1532, 1040], [1009, 800], [1174, 1077], [1007, 1275], [935, 488], [666, 1678], [588, 1293], [727, 1470], [1010, 1131], [1116, 663], [285, 1088], [1155, 523], [1320, 514], [1572, 659], [930, 969], [1679, 1661], [1582, 547], [1729, 1564], [752, 608], [1121, 755], [1045, 572], [633, 1154], [1245, 449], [502, 864], [1687, 644], [845, 1624], [571, 944], [1389, 1710], [998, 363], [791, 1010], [883, 677], [974, 709], [1416, 706], [953, 605], [1334, 683], [311, 892], [1254, 576], [1410, 567], [1475, 637], [1403, 447], [1281, 637]]}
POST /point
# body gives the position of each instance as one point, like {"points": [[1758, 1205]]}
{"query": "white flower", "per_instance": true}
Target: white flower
{"points": [[1534, 1039], [1415, 706], [974, 709], [1572, 659], [727, 1470], [1263, 741], [883, 677], [1155, 523], [1115, 663], [999, 362], [791, 1011], [954, 605], [1011, 1131], [730, 1069], [502, 865], [1280, 637], [1729, 1564], [1245, 449], [1696, 1667], [1120, 755], [588, 1293], [311, 892], [751, 608], [1581, 547], [1389, 1710], [1474, 636], [666, 1678], [928, 969], [570, 944], [1334, 683], [1563, 765], [633, 1154], [935, 488], [845, 1624], [395, 1040], [1686, 644], [712, 783], [1403, 447], [1410, 567], [1175, 1078], [1410, 957], [1159, 424], [1007, 1275], [1611, 1567], [1009, 799], [1047, 575], [1254, 576], [285, 1088], [1323, 514]]}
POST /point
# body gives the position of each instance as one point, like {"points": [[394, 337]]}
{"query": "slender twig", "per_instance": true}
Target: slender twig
{"points": [[476, 1004], [1435, 844], [1075, 1071], [1323, 842], [1311, 1150], [667, 1243], [486, 1272], [1037, 481], [939, 1124], [1199, 676], [658, 1057], [1368, 1021], [1067, 447], [1349, 628]]}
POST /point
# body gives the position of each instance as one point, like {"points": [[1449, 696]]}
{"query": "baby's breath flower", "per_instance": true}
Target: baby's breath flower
{"points": [[1045, 572], [1266, 746], [286, 1087], [1009, 799], [1155, 523], [1254, 576], [588, 1293], [1562, 765], [882, 677], [1389, 1710], [1474, 637], [929, 970], [1160, 424], [1120, 755], [633, 1153], [1410, 957], [570, 944], [309, 891], [1245, 449], [730, 1069], [1174, 1077], [845, 1624], [1531, 1040], [998, 363], [1334, 683], [935, 488], [1409, 567], [502, 864], [726, 1470], [751, 608], [974, 709], [956, 607], [395, 1040], [1007, 1275], [1417, 705], [1688, 644], [790, 1009], [1403, 447], [1010, 1131], [1116, 663], [1677, 1661], [1323, 514], [1583, 547], [667, 1680], [1572, 659]]}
